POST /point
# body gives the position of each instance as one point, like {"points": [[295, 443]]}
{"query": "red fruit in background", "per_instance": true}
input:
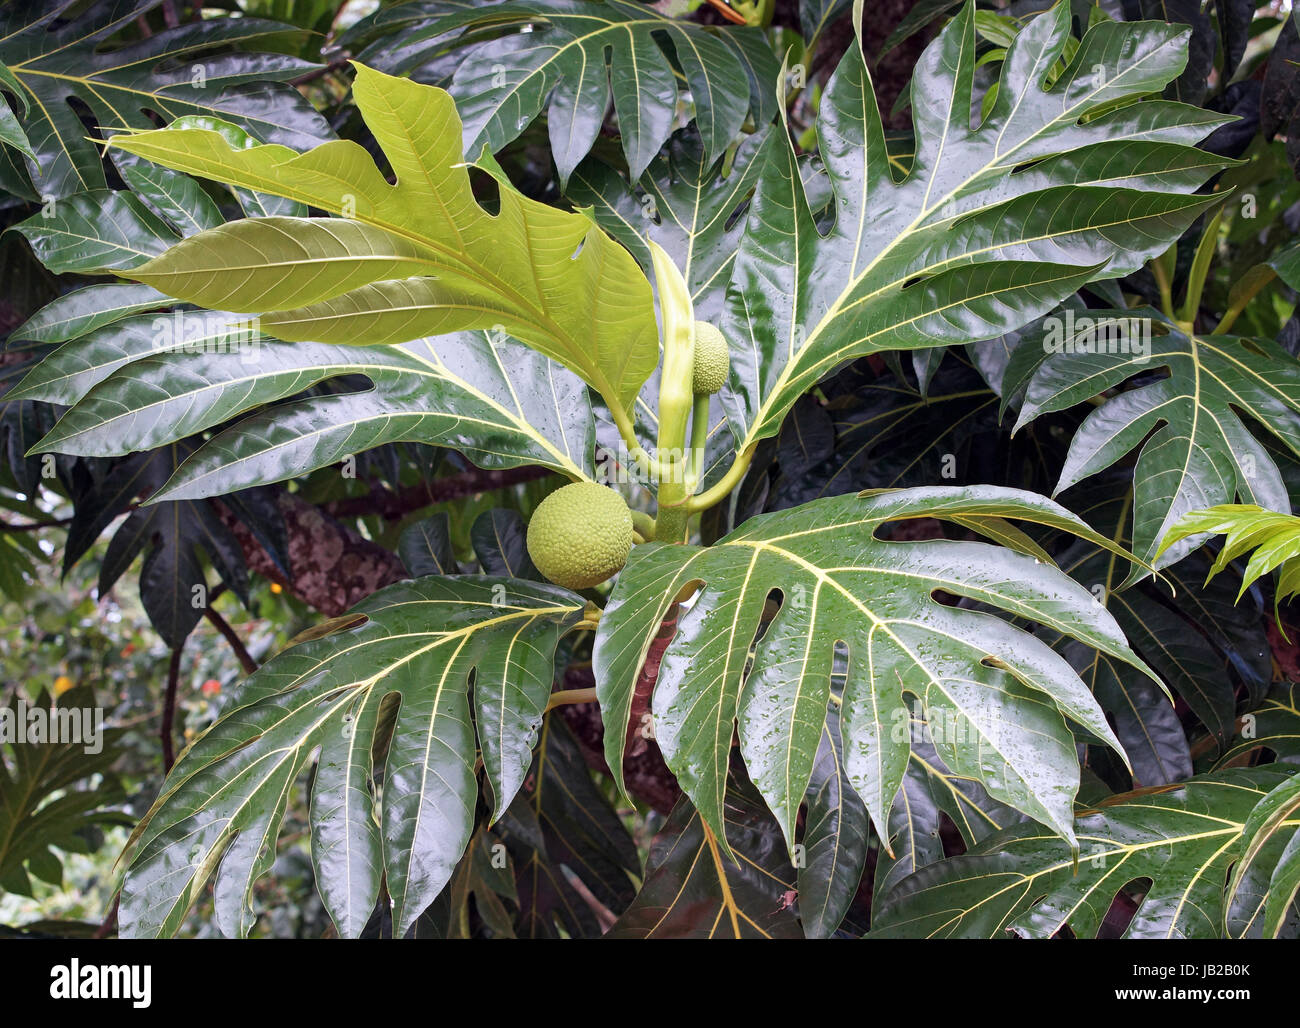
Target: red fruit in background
{"points": [[211, 687]]}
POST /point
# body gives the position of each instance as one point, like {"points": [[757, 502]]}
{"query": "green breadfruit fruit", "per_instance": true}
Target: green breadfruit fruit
{"points": [[712, 361], [580, 535]]}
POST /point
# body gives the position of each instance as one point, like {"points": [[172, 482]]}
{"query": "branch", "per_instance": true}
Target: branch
{"points": [[34, 526], [246, 660], [169, 710], [395, 505], [318, 73], [563, 697]]}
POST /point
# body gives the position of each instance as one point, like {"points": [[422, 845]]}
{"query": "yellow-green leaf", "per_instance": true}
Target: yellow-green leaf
{"points": [[411, 259]]}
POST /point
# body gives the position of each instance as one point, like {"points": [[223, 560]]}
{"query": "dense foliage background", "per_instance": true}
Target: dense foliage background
{"points": [[666, 142]]}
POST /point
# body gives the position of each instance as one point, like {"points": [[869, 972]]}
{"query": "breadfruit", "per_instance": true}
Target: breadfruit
{"points": [[580, 535], [712, 362]]}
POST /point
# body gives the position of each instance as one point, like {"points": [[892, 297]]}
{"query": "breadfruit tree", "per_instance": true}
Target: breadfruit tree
{"points": [[653, 412]]}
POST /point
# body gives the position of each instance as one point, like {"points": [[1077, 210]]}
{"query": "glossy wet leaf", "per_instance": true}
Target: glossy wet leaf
{"points": [[61, 51], [500, 539], [694, 890], [1196, 449], [573, 59], [1273, 727], [1266, 876], [1003, 697], [80, 312], [929, 795], [961, 249], [421, 642], [1186, 629], [1024, 881], [561, 825], [497, 401], [426, 549], [97, 231], [835, 840]]}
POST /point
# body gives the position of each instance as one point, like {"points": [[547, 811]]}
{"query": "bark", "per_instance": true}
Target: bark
{"points": [[331, 567], [644, 772]]}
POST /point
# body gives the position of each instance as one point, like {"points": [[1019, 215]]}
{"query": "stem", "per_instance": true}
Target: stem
{"points": [[169, 711], [1160, 269], [699, 440], [676, 397], [648, 465], [735, 17], [671, 524], [644, 525], [722, 489], [565, 697], [590, 619], [246, 660], [34, 526], [1242, 293]]}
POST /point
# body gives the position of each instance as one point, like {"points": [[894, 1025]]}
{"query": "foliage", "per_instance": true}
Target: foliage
{"points": [[331, 309], [1274, 538], [54, 798]]}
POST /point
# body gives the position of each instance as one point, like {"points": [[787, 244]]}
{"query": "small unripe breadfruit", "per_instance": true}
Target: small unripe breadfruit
{"points": [[580, 535], [712, 361]]}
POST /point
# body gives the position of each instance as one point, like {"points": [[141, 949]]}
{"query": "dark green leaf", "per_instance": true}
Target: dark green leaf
{"points": [[837, 580], [61, 53], [420, 641], [1024, 881], [694, 890], [425, 547]]}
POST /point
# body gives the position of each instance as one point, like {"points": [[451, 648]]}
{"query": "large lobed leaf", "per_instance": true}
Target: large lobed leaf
{"points": [[1189, 631], [1183, 839], [1266, 876], [561, 830], [413, 259], [1274, 726], [1274, 537], [993, 225], [1196, 451], [571, 58], [694, 890], [420, 642], [134, 382], [1002, 696], [495, 400], [60, 53]]}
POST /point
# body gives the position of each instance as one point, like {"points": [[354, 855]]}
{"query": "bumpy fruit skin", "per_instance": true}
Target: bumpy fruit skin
{"points": [[712, 361], [580, 535]]}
